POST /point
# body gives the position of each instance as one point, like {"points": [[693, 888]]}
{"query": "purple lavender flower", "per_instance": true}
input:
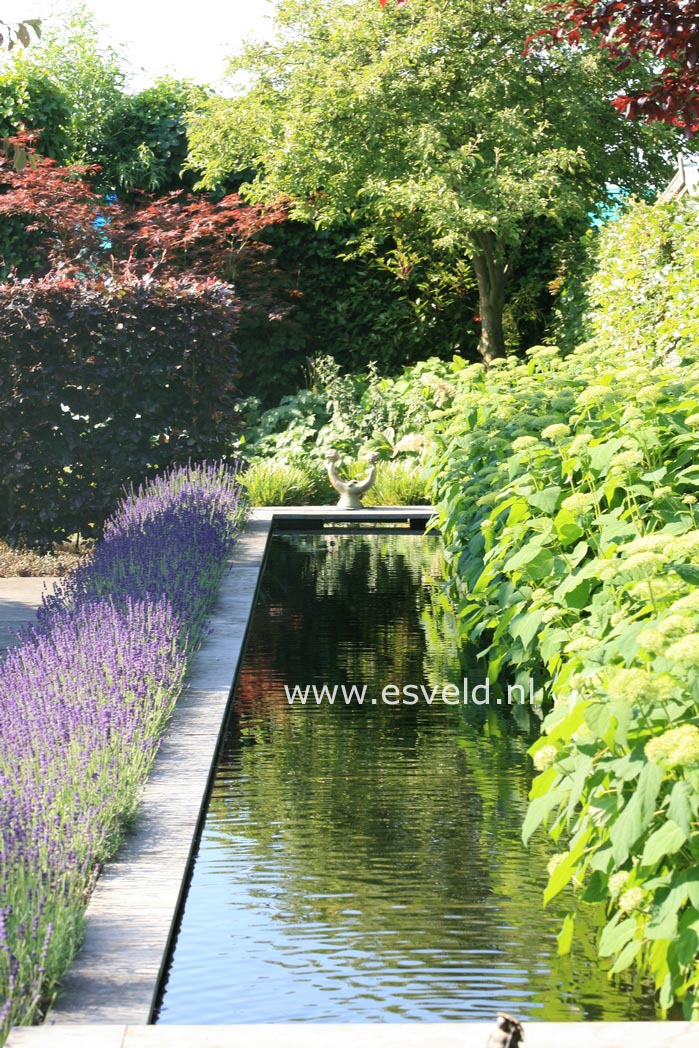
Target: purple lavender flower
{"points": [[84, 699]]}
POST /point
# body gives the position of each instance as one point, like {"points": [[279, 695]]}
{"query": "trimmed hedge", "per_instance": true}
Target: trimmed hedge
{"points": [[102, 382]]}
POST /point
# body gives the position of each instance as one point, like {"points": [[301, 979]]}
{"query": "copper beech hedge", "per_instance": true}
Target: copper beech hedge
{"points": [[103, 381]]}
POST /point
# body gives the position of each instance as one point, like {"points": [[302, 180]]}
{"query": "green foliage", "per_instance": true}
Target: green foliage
{"points": [[398, 483], [144, 137], [21, 33], [635, 280], [351, 413], [77, 429], [570, 323], [271, 483], [354, 309], [395, 120], [31, 100], [645, 289], [567, 490], [89, 75]]}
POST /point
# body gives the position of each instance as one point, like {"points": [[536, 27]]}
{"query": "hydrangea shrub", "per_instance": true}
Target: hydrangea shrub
{"points": [[568, 500]]}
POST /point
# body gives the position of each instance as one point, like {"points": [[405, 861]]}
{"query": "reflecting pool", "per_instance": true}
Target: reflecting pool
{"points": [[363, 862]]}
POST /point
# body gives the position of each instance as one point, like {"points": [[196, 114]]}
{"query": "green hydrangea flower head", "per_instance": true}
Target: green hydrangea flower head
{"points": [[686, 545], [580, 443], [630, 685], [522, 443], [678, 747], [631, 900], [647, 544], [544, 757], [685, 650], [617, 881], [558, 431], [579, 503]]}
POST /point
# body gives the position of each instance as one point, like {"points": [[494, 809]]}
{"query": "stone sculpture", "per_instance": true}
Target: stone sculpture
{"points": [[350, 491]]}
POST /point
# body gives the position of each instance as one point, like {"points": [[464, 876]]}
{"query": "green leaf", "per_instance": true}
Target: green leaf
{"points": [[546, 500], [688, 572], [637, 814], [596, 888], [564, 872], [526, 626], [680, 807], [565, 936], [665, 841], [567, 528], [687, 946], [601, 455], [616, 935], [539, 809], [670, 901], [627, 956], [524, 555], [666, 995], [542, 783]]}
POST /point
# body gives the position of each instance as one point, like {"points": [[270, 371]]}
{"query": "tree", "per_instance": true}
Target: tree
{"points": [[106, 293], [32, 100], [13, 33], [144, 137], [666, 30], [89, 75], [425, 123]]}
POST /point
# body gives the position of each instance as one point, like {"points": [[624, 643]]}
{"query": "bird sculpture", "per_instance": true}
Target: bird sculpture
{"points": [[350, 491]]}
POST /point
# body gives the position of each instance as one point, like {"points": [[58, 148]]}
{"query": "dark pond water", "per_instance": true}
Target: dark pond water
{"points": [[363, 862]]}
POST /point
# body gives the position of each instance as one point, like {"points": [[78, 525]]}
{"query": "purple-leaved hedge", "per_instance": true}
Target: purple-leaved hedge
{"points": [[84, 698]]}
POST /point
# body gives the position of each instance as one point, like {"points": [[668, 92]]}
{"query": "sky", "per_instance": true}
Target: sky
{"points": [[160, 40]]}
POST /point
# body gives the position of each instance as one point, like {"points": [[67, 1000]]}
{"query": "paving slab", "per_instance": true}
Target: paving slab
{"points": [[19, 599], [352, 1035]]}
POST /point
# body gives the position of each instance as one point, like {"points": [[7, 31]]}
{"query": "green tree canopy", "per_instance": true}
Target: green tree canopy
{"points": [[88, 74], [426, 124], [144, 137]]}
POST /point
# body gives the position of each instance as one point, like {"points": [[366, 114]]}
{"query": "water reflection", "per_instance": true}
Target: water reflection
{"points": [[363, 863]]}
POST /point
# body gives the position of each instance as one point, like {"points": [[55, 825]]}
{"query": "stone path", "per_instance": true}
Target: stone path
{"points": [[367, 1035], [19, 599]]}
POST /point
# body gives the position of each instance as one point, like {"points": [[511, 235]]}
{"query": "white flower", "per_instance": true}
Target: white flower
{"points": [[647, 543], [593, 395], [617, 881], [686, 650], [558, 431], [579, 503], [580, 443], [545, 757], [521, 443], [580, 644], [409, 442], [631, 900], [678, 746], [648, 395]]}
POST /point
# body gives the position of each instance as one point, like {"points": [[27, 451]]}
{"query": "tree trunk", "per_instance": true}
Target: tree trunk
{"points": [[491, 276]]}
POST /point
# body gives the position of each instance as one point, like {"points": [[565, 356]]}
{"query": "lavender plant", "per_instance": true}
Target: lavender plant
{"points": [[83, 702]]}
